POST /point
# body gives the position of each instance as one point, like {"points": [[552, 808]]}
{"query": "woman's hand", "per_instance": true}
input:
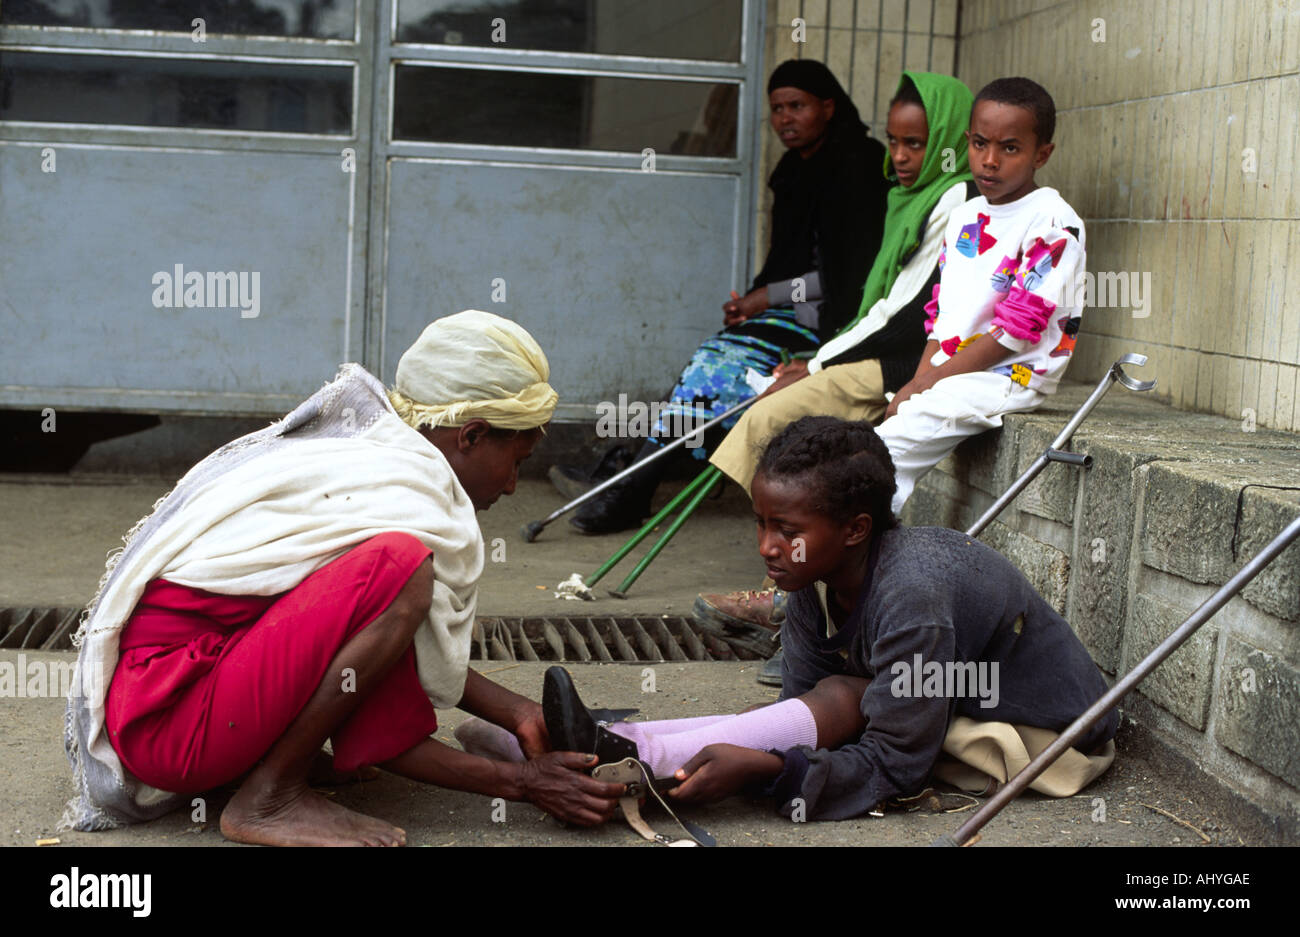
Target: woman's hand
{"points": [[557, 783], [787, 374], [530, 729], [719, 771], [736, 311]]}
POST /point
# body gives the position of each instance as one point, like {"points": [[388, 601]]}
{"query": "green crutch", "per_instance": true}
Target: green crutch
{"points": [[692, 495]]}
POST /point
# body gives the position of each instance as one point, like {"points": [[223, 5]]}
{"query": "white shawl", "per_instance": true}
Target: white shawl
{"points": [[256, 518]]}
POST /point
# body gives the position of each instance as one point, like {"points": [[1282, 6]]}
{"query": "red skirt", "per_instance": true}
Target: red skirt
{"points": [[205, 684]]}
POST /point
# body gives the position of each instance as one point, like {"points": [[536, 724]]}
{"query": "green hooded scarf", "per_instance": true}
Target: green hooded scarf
{"points": [[948, 105]]}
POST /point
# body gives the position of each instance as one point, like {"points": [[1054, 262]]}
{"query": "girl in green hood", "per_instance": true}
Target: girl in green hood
{"points": [[878, 351]]}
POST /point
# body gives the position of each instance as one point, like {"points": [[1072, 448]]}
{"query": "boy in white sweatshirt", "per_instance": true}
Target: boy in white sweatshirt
{"points": [[1004, 315]]}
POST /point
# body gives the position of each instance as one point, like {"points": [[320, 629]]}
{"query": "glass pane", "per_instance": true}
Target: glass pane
{"points": [[675, 29], [311, 19], [581, 112], [165, 92]]}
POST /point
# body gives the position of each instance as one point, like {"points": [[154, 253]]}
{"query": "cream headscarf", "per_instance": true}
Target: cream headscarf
{"points": [[474, 366]]}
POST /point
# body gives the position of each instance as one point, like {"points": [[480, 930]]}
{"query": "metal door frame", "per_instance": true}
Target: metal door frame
{"points": [[387, 54], [356, 52], [373, 56]]}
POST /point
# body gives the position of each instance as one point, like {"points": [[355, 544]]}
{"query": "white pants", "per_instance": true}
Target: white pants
{"points": [[930, 425]]}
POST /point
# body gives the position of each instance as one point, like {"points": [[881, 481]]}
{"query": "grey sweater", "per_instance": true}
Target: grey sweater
{"points": [[944, 625]]}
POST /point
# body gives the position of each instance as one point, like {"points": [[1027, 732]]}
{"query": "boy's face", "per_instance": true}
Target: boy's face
{"points": [[1004, 151], [800, 544]]}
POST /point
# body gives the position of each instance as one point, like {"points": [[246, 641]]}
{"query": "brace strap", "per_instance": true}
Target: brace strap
{"points": [[631, 772]]}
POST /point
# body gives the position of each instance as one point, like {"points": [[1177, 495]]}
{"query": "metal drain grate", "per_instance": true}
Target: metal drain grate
{"points": [[45, 629], [648, 639], [638, 639]]}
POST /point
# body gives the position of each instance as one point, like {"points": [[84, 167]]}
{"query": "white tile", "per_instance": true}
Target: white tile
{"points": [[1284, 408], [945, 17], [1288, 345], [1266, 397], [893, 13], [814, 12], [868, 14], [841, 14]]}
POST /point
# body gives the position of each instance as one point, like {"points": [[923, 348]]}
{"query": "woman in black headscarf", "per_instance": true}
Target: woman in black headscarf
{"points": [[828, 211]]}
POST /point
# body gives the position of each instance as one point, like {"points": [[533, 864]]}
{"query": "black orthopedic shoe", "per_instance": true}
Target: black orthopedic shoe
{"points": [[621, 507], [573, 481], [625, 505], [575, 728]]}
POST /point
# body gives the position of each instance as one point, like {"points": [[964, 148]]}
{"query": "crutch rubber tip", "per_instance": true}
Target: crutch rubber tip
{"points": [[530, 531], [945, 840], [618, 595]]}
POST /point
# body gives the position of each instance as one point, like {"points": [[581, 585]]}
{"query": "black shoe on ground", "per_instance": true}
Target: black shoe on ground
{"points": [[571, 725], [622, 507], [570, 480], [573, 481]]}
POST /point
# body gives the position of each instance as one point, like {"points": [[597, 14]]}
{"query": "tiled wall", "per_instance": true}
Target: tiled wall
{"points": [[1159, 128], [866, 44], [1176, 141]]}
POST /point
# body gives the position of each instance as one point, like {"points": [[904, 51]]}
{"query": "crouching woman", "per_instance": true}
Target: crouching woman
{"points": [[317, 580]]}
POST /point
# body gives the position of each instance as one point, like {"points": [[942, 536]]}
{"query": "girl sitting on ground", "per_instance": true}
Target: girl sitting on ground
{"points": [[901, 644]]}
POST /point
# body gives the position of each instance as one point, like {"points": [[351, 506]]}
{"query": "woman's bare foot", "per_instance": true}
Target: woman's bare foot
{"points": [[297, 816], [324, 774]]}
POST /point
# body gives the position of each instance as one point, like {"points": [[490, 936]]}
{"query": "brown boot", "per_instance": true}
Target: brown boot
{"points": [[764, 608], [746, 617]]}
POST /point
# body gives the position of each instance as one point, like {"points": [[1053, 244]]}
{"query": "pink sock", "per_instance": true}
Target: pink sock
{"points": [[672, 726], [779, 726]]}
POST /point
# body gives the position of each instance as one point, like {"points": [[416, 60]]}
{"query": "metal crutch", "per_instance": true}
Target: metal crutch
{"points": [[696, 491], [966, 833], [1054, 452], [530, 531]]}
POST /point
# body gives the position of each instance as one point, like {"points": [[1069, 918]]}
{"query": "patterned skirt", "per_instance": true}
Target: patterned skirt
{"points": [[714, 380]]}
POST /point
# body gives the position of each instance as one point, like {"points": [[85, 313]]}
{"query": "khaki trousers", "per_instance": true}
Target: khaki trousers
{"points": [[848, 391], [982, 756]]}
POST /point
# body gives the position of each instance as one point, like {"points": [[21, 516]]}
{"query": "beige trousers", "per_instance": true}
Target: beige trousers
{"points": [[848, 391], [982, 756]]}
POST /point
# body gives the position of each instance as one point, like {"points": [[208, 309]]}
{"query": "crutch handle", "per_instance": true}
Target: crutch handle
{"points": [[1117, 372], [1069, 458]]}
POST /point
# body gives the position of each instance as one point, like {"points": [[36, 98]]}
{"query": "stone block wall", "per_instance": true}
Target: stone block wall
{"points": [[1173, 506]]}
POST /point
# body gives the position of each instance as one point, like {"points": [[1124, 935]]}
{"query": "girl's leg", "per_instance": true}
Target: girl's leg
{"points": [[482, 738], [827, 716], [849, 391]]}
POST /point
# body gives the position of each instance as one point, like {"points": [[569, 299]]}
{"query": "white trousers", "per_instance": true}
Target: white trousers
{"points": [[930, 425]]}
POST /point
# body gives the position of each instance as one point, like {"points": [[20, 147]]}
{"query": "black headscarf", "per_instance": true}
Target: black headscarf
{"points": [[835, 199], [816, 79]]}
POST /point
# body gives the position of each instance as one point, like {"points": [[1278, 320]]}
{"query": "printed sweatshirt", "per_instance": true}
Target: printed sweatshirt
{"points": [[1014, 272]]}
